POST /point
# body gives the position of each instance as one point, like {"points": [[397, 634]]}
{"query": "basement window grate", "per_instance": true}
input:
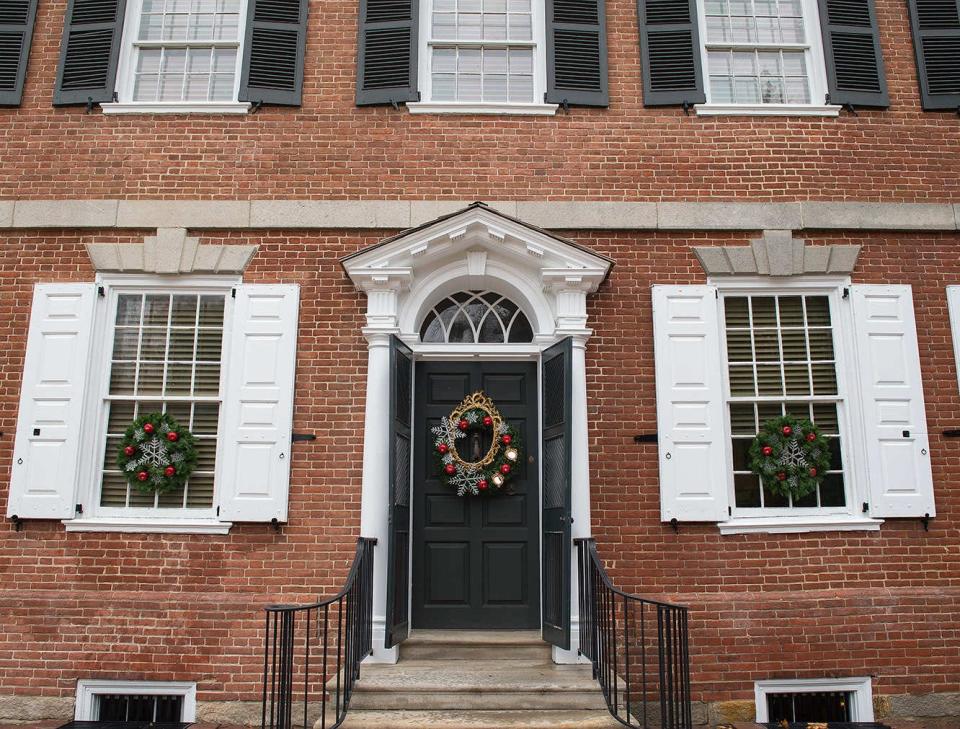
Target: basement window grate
{"points": [[124, 725], [807, 706]]}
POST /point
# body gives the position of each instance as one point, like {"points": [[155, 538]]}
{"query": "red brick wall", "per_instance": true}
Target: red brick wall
{"points": [[328, 148], [188, 607]]}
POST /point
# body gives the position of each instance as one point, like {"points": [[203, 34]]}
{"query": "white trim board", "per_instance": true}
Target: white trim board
{"points": [[88, 688], [861, 708]]}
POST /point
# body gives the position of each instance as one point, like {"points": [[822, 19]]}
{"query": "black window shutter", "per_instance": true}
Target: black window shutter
{"points": [[670, 52], [851, 48], [89, 51], [936, 37], [387, 52], [272, 71], [577, 53], [16, 30]]}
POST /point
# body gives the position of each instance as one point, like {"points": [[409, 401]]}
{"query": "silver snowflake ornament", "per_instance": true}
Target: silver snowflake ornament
{"points": [[792, 455], [155, 453]]}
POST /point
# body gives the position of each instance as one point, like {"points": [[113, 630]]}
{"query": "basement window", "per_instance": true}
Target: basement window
{"points": [[107, 702], [814, 700]]}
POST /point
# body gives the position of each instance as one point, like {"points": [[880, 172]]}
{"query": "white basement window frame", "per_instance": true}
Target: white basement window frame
{"points": [[89, 690], [860, 689], [794, 519], [96, 454], [482, 46], [763, 41], [170, 23]]}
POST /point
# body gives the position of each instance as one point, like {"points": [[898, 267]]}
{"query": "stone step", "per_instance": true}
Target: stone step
{"points": [[482, 685], [450, 645], [514, 719]]}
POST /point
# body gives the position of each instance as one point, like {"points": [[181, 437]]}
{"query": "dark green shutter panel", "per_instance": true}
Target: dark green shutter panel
{"points": [[387, 52], [851, 48], [577, 53], [89, 51], [16, 30], [273, 52], [936, 37], [670, 52]]}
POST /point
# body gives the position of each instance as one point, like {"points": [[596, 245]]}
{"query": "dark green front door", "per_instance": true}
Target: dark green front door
{"points": [[476, 558]]}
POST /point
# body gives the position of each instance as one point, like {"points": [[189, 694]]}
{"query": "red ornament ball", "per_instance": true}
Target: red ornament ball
{"points": [[811, 437], [482, 484], [129, 451], [148, 427], [450, 469], [813, 472], [781, 476], [463, 424], [169, 470], [787, 430], [505, 468], [172, 437], [143, 476], [767, 450], [487, 420], [507, 438], [443, 447]]}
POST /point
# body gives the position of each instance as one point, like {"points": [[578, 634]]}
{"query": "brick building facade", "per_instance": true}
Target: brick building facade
{"points": [[812, 205]]}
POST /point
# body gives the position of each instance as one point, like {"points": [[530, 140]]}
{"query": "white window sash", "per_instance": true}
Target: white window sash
{"points": [[95, 434], [813, 53], [427, 42], [126, 71], [850, 438]]}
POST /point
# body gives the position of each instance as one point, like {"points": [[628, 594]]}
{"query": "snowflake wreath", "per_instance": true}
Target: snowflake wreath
{"points": [[790, 456], [156, 454], [489, 474]]}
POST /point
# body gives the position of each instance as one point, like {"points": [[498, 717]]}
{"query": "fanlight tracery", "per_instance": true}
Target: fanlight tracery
{"points": [[475, 317]]}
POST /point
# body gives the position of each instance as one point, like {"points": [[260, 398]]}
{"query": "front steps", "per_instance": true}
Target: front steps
{"points": [[476, 680]]}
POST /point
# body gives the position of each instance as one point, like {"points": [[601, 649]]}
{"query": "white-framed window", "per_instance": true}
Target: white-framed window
{"points": [[814, 700], [482, 55], [181, 55], [782, 358], [762, 56], [119, 701]]}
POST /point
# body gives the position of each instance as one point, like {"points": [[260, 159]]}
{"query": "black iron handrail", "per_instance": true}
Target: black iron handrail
{"points": [[317, 649], [639, 648]]}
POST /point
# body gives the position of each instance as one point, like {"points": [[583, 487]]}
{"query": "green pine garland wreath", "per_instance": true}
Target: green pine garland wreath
{"points": [[156, 454], [790, 456]]}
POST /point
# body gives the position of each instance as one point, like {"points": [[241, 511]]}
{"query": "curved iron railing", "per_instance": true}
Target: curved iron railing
{"points": [[639, 648], [312, 653]]}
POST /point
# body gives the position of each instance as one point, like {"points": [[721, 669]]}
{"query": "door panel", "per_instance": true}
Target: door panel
{"points": [[476, 558]]}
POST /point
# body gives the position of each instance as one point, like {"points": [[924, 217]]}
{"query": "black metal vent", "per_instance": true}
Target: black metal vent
{"points": [[124, 725], [139, 707]]}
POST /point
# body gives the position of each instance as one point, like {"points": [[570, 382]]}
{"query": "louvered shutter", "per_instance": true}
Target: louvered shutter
{"points": [[936, 38], [670, 52], [690, 412], [89, 52], [16, 30], [258, 403], [387, 53], [47, 450], [891, 394], [273, 53], [577, 53], [851, 49]]}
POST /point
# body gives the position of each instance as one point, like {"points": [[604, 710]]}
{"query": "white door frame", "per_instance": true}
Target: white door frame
{"points": [[478, 248]]}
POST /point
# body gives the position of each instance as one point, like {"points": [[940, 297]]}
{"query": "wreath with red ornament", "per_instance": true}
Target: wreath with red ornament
{"points": [[156, 454], [790, 456], [476, 420]]}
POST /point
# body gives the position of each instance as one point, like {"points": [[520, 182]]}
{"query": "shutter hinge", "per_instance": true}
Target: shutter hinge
{"points": [[686, 106], [566, 106], [826, 99], [256, 105], [89, 107], [101, 292], [395, 104], [78, 508], [866, 507], [851, 108], [846, 292], [233, 293]]}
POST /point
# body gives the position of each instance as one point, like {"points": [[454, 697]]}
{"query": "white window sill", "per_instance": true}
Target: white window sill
{"points": [[148, 526], [454, 107], [175, 107], [766, 110], [795, 524]]}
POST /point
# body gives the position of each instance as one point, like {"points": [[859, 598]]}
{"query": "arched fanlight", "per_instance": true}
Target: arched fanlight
{"points": [[475, 317]]}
